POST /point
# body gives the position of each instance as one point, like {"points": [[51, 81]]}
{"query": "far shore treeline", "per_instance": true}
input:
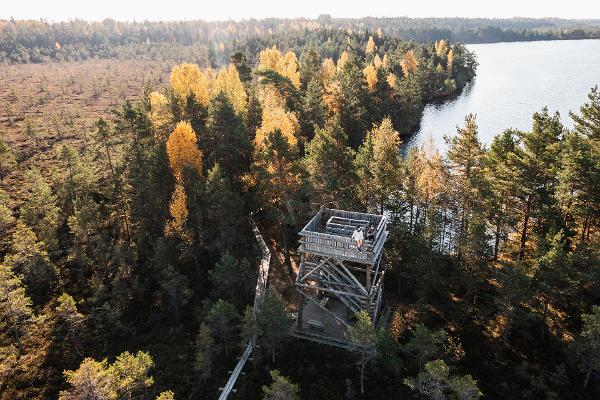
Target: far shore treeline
{"points": [[211, 43]]}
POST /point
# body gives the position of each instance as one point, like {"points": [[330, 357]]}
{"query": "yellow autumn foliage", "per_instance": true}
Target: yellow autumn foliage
{"points": [[441, 47], [228, 81], [160, 113], [409, 63], [179, 212], [276, 117], [370, 46], [182, 150], [450, 62], [377, 61], [332, 97], [342, 60], [285, 65], [328, 69], [431, 176], [187, 78], [392, 80], [371, 76], [386, 60]]}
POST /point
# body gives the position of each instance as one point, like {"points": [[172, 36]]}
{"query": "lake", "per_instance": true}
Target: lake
{"points": [[513, 81]]}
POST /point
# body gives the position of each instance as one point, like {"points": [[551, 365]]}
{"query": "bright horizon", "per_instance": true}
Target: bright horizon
{"points": [[64, 10]]}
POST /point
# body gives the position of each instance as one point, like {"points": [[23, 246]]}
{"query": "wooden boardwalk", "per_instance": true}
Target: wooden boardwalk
{"points": [[261, 287]]}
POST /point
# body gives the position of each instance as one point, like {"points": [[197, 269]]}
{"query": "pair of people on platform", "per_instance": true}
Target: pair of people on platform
{"points": [[359, 236]]}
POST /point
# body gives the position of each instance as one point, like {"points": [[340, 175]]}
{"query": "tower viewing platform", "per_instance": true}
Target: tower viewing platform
{"points": [[337, 279], [329, 233]]}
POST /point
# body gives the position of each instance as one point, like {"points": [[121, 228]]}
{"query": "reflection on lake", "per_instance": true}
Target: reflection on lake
{"points": [[513, 81]]}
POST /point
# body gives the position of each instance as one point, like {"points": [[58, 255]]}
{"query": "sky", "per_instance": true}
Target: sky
{"points": [[139, 10]]}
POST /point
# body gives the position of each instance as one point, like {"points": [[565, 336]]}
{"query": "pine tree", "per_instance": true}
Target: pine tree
{"points": [[355, 101], [7, 159], [226, 141], [29, 257], [514, 290], [310, 67], [130, 374], [329, 163], [465, 164], [436, 383], [222, 319], [279, 173], [362, 338], [16, 313], [272, 321], [203, 362], [106, 141], [91, 380], [70, 320], [587, 344], [126, 378], [232, 279], [281, 388], [313, 109], [424, 344], [175, 289], [40, 211], [577, 190], [224, 212], [587, 125], [379, 165], [6, 216]]}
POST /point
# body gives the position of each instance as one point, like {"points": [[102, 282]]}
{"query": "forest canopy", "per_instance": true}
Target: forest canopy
{"points": [[211, 43], [128, 267]]}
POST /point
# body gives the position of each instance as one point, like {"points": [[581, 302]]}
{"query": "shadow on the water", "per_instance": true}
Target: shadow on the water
{"points": [[438, 103]]}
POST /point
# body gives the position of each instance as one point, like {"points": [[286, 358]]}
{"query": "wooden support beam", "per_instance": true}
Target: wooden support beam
{"points": [[338, 292]]}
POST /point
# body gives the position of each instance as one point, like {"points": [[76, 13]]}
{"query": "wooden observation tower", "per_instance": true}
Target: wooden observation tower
{"points": [[336, 280]]}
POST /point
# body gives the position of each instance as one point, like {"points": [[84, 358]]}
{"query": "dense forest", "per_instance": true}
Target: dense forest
{"points": [[211, 43], [127, 271]]}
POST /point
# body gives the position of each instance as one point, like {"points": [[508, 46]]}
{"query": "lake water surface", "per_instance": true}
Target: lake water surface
{"points": [[513, 81]]}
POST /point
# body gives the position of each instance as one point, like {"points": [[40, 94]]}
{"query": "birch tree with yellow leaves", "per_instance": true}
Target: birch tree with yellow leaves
{"points": [[409, 63], [187, 79], [228, 81], [183, 153]]}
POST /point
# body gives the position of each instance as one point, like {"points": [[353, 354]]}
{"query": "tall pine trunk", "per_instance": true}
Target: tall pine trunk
{"points": [[524, 231], [588, 374], [496, 241], [286, 250]]}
